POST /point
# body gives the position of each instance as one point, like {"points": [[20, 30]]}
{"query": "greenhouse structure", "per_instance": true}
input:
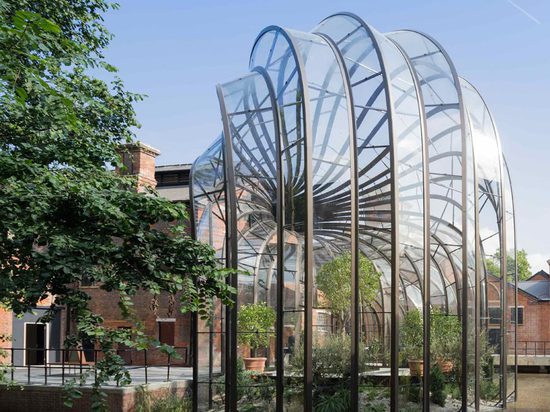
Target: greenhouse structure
{"points": [[359, 188]]}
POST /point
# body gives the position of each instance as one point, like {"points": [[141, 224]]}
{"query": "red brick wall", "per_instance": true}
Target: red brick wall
{"points": [[539, 276], [50, 398], [106, 304], [536, 315], [139, 160]]}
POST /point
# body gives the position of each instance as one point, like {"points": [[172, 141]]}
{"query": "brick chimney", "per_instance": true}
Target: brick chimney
{"points": [[139, 160]]}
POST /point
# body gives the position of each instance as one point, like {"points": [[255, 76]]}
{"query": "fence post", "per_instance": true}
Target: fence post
{"points": [[28, 369], [12, 364], [80, 361], [168, 370], [145, 359], [63, 353], [46, 366]]}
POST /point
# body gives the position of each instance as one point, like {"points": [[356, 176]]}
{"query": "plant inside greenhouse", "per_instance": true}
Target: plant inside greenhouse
{"points": [[255, 325]]}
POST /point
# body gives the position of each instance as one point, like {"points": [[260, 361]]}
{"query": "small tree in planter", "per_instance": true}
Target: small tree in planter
{"points": [[256, 324], [412, 341], [334, 280], [445, 338]]}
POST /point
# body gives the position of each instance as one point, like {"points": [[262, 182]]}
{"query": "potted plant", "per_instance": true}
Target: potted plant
{"points": [[445, 339], [412, 341], [256, 324]]}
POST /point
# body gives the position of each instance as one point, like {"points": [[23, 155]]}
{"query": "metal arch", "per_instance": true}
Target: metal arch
{"points": [[232, 252], [194, 316], [438, 267], [280, 240], [456, 81], [231, 257], [394, 328], [515, 276], [478, 266], [308, 249], [426, 229], [354, 195], [503, 252]]}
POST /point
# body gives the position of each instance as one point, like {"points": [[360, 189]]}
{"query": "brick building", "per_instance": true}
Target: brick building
{"points": [[533, 323], [160, 316]]}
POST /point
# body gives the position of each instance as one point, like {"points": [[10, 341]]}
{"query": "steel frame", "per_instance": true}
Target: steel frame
{"points": [[373, 195]]}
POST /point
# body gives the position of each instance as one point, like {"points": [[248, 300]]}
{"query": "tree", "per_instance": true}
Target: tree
{"points": [[334, 281], [65, 214], [256, 323], [524, 268]]}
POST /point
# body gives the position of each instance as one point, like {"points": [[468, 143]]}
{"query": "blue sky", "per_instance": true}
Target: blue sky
{"points": [[175, 51]]}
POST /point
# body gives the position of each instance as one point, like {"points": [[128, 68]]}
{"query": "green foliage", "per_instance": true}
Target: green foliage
{"points": [[256, 325], [339, 401], [4, 367], [334, 281], [411, 335], [377, 352], [331, 357], [253, 388], [414, 390], [445, 336], [437, 386], [486, 356], [523, 265], [146, 402], [65, 216], [489, 389], [452, 388]]}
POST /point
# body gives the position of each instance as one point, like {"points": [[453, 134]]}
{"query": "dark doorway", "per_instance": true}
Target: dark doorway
{"points": [[35, 343], [167, 332]]}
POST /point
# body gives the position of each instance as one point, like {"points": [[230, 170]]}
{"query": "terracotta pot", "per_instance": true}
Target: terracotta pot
{"points": [[254, 364], [445, 365], [416, 367]]}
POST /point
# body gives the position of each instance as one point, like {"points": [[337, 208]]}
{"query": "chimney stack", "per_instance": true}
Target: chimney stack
{"points": [[139, 160], [548, 261]]}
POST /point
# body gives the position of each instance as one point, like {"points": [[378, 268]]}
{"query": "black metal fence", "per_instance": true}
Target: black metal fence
{"points": [[533, 348], [70, 362]]}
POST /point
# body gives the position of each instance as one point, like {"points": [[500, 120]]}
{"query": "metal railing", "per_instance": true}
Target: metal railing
{"points": [[533, 348], [69, 362]]}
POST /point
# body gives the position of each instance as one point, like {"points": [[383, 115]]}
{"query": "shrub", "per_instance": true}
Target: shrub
{"points": [[445, 335], [437, 386], [146, 402], [411, 335], [339, 401]]}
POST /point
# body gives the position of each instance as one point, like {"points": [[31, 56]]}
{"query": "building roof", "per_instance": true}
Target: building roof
{"points": [[540, 289], [540, 274], [173, 168]]}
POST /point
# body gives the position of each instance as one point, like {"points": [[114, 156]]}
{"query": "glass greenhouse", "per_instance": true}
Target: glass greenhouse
{"points": [[360, 189]]}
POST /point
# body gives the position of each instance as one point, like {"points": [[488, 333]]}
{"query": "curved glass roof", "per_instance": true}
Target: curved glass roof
{"points": [[347, 145]]}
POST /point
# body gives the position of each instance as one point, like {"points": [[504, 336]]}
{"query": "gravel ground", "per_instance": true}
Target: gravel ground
{"points": [[534, 393]]}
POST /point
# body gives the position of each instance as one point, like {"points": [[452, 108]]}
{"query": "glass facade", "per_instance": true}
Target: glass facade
{"points": [[359, 188]]}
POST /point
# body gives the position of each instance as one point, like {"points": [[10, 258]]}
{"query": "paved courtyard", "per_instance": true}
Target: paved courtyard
{"points": [[534, 393], [53, 376]]}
